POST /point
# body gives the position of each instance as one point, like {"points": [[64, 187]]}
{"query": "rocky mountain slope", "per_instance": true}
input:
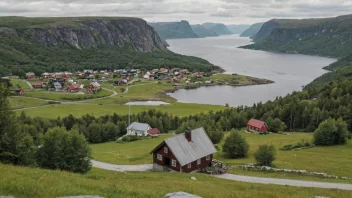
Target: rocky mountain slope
{"points": [[252, 30], [70, 44], [84, 33], [203, 32], [238, 29], [219, 28], [325, 37], [174, 30]]}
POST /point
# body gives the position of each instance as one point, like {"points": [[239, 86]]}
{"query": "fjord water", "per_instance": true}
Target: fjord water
{"points": [[289, 71]]}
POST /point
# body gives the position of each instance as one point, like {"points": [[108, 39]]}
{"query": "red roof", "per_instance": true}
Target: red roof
{"points": [[154, 131], [256, 123]]}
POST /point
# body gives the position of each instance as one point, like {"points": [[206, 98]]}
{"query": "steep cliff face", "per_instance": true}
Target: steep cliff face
{"points": [[237, 29], [252, 30], [84, 33], [325, 37], [203, 32], [219, 28], [174, 30]]}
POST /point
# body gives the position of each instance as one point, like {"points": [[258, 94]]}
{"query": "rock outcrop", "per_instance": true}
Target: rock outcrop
{"points": [[174, 30], [325, 37], [86, 33]]}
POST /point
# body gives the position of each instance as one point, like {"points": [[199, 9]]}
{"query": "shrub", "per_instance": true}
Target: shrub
{"points": [[349, 136], [130, 138], [265, 155], [64, 150], [235, 145], [331, 132]]}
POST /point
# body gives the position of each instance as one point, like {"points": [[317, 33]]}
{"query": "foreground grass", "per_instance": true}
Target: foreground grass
{"points": [[78, 110], [19, 103], [32, 182]]}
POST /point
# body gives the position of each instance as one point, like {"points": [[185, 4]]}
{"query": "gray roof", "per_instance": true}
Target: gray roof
{"points": [[180, 195], [187, 152], [138, 126]]}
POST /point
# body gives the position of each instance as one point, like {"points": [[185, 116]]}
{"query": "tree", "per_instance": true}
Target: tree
{"points": [[64, 150], [331, 132], [265, 155], [235, 145], [16, 147], [275, 125]]}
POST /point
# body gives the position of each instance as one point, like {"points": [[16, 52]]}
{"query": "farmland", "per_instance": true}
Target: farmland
{"points": [[32, 182]]}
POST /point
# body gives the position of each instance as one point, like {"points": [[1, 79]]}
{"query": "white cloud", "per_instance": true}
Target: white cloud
{"points": [[195, 11]]}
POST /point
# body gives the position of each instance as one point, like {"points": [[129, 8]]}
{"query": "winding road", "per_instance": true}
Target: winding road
{"points": [[233, 177]]}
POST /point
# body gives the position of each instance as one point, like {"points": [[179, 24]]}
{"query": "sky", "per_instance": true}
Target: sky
{"points": [[195, 11]]}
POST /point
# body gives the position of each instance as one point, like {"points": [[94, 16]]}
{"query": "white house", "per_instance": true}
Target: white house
{"points": [[139, 129]]}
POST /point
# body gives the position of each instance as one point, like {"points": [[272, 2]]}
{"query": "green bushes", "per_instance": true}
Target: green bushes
{"points": [[235, 145], [301, 144], [265, 155], [130, 138], [64, 150], [331, 132]]}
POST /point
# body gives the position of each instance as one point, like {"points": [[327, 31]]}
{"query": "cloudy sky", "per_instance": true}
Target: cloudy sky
{"points": [[195, 11]]}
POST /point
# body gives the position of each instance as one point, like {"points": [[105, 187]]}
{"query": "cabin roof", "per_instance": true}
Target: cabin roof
{"points": [[256, 123], [187, 152]]}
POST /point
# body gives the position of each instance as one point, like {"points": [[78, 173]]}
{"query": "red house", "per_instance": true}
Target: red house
{"points": [[186, 152], [257, 126], [153, 132], [74, 88], [30, 75], [38, 84]]}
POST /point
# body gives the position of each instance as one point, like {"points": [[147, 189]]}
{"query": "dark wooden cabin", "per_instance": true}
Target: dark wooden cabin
{"points": [[186, 152]]}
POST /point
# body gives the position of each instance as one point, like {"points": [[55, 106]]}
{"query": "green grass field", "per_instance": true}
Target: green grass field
{"points": [[332, 160], [19, 83], [31, 182], [66, 96], [19, 103], [179, 109]]}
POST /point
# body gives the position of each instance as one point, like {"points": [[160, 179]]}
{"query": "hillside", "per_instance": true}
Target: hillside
{"points": [[238, 29], [324, 37], [70, 44], [219, 28], [174, 30], [203, 32], [252, 30], [85, 32]]}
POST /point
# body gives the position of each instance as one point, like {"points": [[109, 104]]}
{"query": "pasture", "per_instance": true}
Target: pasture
{"points": [[23, 182]]}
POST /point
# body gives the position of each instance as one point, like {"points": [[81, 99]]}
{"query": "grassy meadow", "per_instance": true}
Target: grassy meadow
{"points": [[19, 103], [332, 160], [32, 182]]}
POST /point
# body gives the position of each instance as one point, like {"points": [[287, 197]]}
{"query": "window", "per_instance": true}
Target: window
{"points": [[165, 149], [189, 165], [160, 157], [198, 161], [208, 157], [174, 163]]}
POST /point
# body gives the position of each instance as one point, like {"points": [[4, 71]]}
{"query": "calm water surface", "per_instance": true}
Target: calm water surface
{"points": [[289, 71]]}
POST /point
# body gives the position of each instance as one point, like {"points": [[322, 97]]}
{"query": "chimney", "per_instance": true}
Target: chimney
{"points": [[188, 134]]}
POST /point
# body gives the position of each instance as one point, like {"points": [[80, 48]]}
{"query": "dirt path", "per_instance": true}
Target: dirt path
{"points": [[241, 178], [122, 168], [288, 182], [29, 84]]}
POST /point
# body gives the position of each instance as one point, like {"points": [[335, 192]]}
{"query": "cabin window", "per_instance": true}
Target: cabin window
{"points": [[208, 157], [160, 157], [165, 149], [189, 165], [198, 161], [174, 163]]}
